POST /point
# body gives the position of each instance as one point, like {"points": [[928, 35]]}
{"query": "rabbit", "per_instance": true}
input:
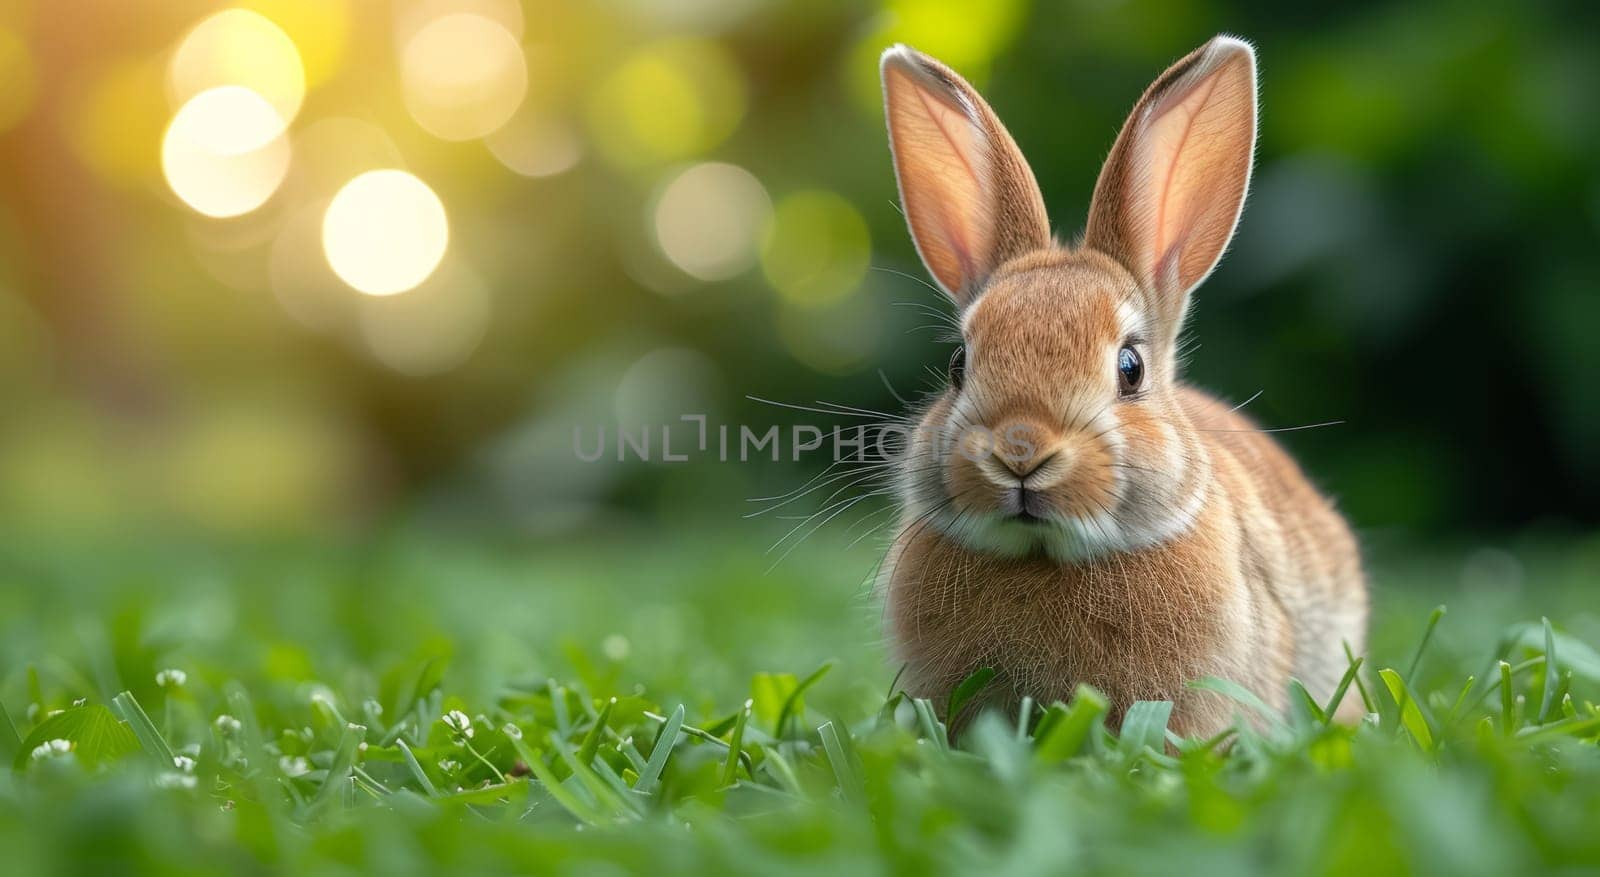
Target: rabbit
{"points": [[1072, 513]]}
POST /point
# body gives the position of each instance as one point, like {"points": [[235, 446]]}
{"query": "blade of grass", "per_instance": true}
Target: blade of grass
{"points": [[605, 796], [844, 769], [1577, 728], [932, 728], [665, 740], [631, 752], [1240, 695], [150, 739], [605, 771], [730, 767], [792, 702], [417, 772], [779, 767], [1411, 717], [1024, 717], [591, 741], [1064, 730], [559, 791], [1508, 701], [1312, 708], [702, 734], [10, 741], [1145, 726], [1351, 674], [558, 705], [1367, 702], [969, 688], [1427, 635], [1461, 700], [1551, 674], [344, 758], [371, 783]]}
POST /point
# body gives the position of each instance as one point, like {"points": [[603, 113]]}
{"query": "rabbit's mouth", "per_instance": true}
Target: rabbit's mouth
{"points": [[1025, 505]]}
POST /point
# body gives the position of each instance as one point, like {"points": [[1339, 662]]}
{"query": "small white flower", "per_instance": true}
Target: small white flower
{"points": [[173, 780], [512, 731], [294, 766], [171, 678], [449, 765], [80, 701], [372, 707], [616, 647], [362, 746], [227, 725], [183, 763], [51, 749], [457, 721]]}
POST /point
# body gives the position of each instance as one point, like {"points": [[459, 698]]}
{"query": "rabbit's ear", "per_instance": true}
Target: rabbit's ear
{"points": [[970, 199], [1171, 191]]}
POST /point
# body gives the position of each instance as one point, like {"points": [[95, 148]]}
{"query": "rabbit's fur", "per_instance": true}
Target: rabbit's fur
{"points": [[1069, 518]]}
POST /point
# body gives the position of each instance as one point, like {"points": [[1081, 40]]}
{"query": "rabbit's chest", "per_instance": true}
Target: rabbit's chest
{"points": [[1047, 628]]}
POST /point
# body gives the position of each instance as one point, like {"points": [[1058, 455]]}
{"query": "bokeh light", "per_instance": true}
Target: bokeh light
{"points": [[412, 15], [816, 248], [464, 76], [320, 30], [668, 102], [244, 48], [431, 329], [225, 152], [536, 147], [966, 36], [17, 72], [708, 218], [385, 232]]}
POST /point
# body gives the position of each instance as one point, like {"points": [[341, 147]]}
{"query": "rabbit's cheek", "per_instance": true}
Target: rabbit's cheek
{"points": [[1088, 489], [971, 490]]}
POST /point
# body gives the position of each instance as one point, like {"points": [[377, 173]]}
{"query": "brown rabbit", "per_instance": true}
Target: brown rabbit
{"points": [[1073, 512]]}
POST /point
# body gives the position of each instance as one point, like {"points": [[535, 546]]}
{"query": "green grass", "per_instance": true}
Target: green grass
{"points": [[669, 706]]}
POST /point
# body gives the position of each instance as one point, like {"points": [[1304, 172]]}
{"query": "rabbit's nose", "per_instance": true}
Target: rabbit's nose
{"points": [[1022, 447], [1023, 466]]}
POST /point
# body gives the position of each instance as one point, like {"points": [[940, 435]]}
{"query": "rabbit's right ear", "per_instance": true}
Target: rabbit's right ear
{"points": [[970, 199]]}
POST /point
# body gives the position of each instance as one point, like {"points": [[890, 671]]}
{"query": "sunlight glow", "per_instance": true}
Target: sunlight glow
{"points": [[668, 102], [385, 232], [708, 219], [225, 152], [816, 248], [243, 48], [536, 148], [464, 76]]}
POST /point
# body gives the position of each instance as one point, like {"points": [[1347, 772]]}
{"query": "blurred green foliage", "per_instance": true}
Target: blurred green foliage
{"points": [[1417, 258]]}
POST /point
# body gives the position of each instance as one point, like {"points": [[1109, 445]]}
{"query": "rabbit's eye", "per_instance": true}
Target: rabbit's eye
{"points": [[1130, 371], [958, 367]]}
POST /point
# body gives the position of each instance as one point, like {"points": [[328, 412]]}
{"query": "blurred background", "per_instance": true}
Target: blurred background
{"points": [[287, 266]]}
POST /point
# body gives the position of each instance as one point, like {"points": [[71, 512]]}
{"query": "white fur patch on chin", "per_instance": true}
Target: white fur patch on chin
{"points": [[1062, 540]]}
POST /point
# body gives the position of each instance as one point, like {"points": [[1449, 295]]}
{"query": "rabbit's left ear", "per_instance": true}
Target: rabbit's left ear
{"points": [[970, 198], [1171, 191]]}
